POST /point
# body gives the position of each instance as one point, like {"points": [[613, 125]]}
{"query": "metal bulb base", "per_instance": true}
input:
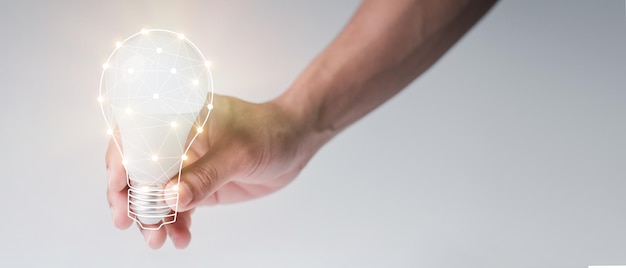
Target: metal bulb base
{"points": [[149, 205]]}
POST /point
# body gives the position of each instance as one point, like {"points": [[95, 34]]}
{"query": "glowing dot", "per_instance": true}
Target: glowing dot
{"points": [[210, 106], [118, 44], [200, 129], [100, 99], [155, 96], [207, 64], [196, 82], [159, 50], [173, 70], [124, 162], [184, 157], [155, 158], [144, 31], [173, 124], [109, 132], [131, 71], [128, 111], [175, 188], [105, 66], [181, 36]]}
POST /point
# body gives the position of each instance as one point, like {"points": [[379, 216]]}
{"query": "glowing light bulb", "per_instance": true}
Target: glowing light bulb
{"points": [[153, 108]]}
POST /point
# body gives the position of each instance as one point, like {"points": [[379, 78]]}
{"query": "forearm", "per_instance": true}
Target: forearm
{"points": [[385, 46]]}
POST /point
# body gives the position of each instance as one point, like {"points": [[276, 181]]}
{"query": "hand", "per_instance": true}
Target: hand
{"points": [[246, 151], [250, 150]]}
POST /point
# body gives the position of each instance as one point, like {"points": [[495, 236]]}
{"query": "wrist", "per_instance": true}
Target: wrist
{"points": [[302, 113]]}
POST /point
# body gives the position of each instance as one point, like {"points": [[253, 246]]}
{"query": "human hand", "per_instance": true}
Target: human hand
{"points": [[246, 151]]}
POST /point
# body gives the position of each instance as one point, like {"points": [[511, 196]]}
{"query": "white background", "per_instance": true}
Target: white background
{"points": [[510, 152]]}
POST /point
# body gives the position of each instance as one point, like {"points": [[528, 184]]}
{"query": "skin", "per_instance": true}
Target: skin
{"points": [[249, 150]]}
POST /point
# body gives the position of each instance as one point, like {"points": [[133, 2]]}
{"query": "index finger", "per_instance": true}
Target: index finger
{"points": [[115, 170]]}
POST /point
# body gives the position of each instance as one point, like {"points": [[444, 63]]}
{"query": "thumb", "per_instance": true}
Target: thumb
{"points": [[200, 180]]}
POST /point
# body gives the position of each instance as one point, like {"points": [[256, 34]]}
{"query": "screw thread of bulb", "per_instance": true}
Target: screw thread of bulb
{"points": [[149, 204]]}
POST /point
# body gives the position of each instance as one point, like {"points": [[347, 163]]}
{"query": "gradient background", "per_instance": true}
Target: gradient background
{"points": [[509, 152]]}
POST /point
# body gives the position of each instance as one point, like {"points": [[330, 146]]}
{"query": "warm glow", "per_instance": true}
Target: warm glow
{"points": [[149, 130]]}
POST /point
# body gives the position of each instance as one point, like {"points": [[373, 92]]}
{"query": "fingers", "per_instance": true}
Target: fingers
{"points": [[115, 170], [233, 192], [239, 191], [116, 192], [179, 230], [201, 179], [154, 238], [119, 209], [117, 195]]}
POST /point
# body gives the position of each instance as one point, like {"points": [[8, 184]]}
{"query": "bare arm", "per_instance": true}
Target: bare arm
{"points": [[386, 45], [250, 150]]}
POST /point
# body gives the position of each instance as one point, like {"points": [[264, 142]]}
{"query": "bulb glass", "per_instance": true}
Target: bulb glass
{"points": [[152, 103]]}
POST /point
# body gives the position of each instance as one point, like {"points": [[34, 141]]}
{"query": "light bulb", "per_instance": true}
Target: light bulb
{"points": [[151, 102]]}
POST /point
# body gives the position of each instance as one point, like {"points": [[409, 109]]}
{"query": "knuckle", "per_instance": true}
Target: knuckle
{"points": [[203, 177]]}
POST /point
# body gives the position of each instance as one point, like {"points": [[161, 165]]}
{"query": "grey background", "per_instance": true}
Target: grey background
{"points": [[510, 152]]}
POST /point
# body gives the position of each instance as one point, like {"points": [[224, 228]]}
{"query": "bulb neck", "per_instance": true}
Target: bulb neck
{"points": [[150, 204]]}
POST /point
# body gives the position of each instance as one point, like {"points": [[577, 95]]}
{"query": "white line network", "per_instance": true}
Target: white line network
{"points": [[153, 88]]}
